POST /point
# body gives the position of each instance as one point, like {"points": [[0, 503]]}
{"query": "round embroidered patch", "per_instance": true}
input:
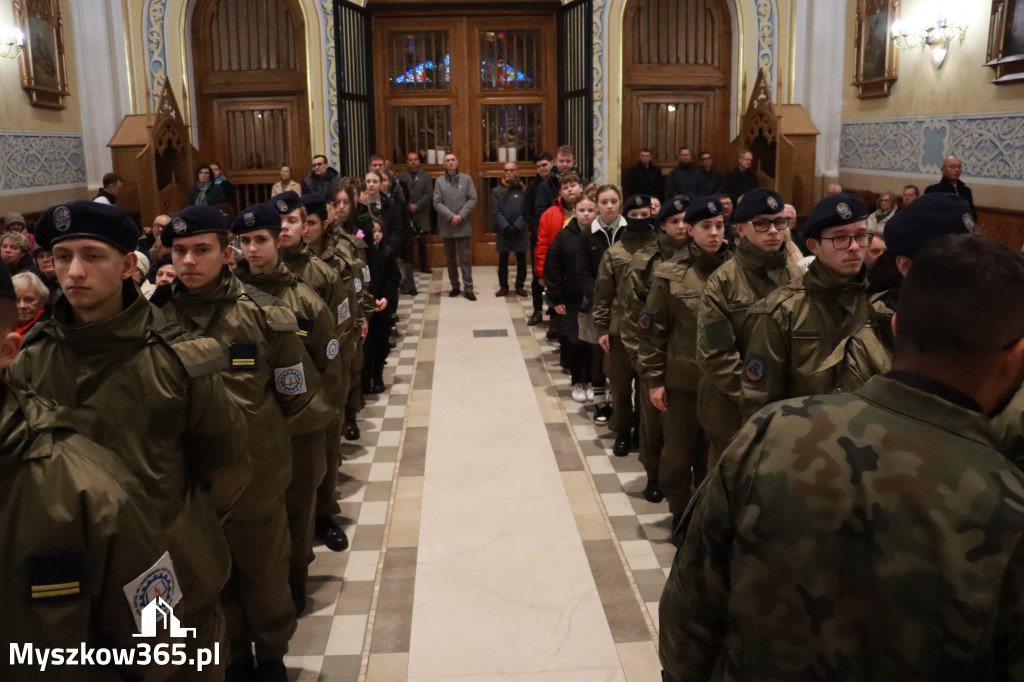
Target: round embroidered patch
{"points": [[332, 349], [249, 219], [844, 211], [62, 218], [359, 285], [772, 203], [644, 322], [159, 582], [290, 381], [968, 222], [754, 369], [282, 206], [711, 208], [179, 226]]}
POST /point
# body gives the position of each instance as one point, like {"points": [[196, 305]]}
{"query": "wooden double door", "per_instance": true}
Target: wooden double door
{"points": [[482, 86]]}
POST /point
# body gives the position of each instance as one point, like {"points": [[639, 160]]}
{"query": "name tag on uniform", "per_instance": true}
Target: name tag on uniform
{"points": [[55, 575], [242, 355], [344, 311], [305, 327]]}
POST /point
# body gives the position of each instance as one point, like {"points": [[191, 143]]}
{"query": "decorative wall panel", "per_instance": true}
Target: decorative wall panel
{"points": [[33, 160]]}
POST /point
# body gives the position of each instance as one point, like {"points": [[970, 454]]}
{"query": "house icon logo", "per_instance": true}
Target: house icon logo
{"points": [[159, 610]]}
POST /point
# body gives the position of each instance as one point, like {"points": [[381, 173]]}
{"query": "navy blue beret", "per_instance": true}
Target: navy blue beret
{"points": [[256, 217], [87, 220], [835, 210], [673, 206], [758, 201], [314, 201], [286, 202], [704, 208], [193, 220], [927, 218], [636, 201]]}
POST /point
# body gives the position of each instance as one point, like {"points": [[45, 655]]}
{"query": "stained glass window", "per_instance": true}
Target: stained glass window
{"points": [[510, 60], [419, 60]]}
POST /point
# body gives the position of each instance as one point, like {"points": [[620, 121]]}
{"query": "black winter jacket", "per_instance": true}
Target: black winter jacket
{"points": [[560, 269]]}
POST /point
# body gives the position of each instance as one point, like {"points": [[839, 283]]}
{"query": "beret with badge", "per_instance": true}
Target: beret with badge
{"points": [[835, 210], [87, 220], [637, 201], [927, 218], [314, 202], [191, 221], [758, 201], [256, 217], [704, 208], [673, 206], [285, 202]]}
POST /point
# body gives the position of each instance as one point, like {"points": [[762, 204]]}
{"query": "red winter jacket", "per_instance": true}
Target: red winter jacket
{"points": [[551, 223]]}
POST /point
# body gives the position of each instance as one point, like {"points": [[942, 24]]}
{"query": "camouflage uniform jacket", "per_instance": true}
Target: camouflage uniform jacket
{"points": [[340, 293], [76, 528], [269, 373], [874, 535], [316, 323], [667, 327], [152, 393], [798, 338], [751, 275], [347, 249], [635, 285], [607, 308]]}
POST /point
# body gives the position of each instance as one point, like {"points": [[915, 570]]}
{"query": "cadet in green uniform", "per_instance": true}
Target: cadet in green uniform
{"points": [[272, 377], [636, 286], [759, 267], [607, 310], [346, 254], [147, 390], [258, 229], [874, 535], [668, 346], [77, 529], [797, 336]]}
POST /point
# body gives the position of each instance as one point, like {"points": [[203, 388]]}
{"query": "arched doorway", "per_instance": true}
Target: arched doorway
{"points": [[250, 69], [677, 57]]}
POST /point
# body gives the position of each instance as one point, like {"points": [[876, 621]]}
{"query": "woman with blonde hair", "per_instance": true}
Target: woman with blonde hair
{"points": [[16, 252]]}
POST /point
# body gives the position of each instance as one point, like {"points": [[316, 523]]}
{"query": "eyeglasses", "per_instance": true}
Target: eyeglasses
{"points": [[764, 225], [510, 170], [318, 163], [842, 243]]}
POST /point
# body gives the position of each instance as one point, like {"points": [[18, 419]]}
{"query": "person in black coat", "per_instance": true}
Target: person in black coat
{"points": [[644, 178], [740, 179], [508, 208], [684, 180], [381, 206], [544, 163], [386, 278]]}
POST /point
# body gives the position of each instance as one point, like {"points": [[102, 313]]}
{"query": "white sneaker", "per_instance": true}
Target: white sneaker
{"points": [[590, 393], [579, 393]]}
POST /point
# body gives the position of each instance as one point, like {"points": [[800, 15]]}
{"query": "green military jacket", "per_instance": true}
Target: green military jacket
{"points": [[751, 275], [606, 308], [269, 374], [667, 327], [316, 324], [874, 535], [354, 251], [636, 284], [152, 393], [800, 339], [75, 529], [340, 256]]}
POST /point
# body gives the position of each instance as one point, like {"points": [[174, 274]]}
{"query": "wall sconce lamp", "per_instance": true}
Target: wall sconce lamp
{"points": [[936, 37], [12, 42]]}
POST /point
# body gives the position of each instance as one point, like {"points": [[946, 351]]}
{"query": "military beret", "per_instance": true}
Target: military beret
{"points": [[928, 217], [314, 201], [257, 217], [87, 220], [6, 285], [191, 221], [673, 206], [636, 201], [704, 209], [285, 202], [13, 218], [758, 201], [835, 210]]}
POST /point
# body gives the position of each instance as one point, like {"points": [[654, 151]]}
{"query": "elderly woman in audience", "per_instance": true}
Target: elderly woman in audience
{"points": [[16, 252], [886, 209], [31, 297]]}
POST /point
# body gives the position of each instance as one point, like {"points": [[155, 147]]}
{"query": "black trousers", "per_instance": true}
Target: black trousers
{"points": [[520, 269]]}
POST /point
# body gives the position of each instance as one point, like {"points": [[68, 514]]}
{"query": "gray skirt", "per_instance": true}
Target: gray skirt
{"points": [[587, 330]]}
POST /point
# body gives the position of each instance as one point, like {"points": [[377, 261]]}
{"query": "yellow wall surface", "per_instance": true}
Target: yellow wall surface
{"points": [[961, 86], [16, 113]]}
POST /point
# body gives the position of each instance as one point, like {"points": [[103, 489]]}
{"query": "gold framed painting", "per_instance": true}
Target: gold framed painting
{"points": [[876, 53], [42, 63]]}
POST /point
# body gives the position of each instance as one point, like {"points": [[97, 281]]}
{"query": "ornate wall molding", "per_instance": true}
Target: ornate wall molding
{"points": [[600, 87], [156, 49], [36, 159], [766, 12], [991, 146], [333, 153]]}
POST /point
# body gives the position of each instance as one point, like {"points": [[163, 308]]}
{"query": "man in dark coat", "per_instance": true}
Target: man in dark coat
{"points": [[711, 181], [545, 163], [508, 207], [643, 178], [951, 183], [740, 179], [323, 178], [684, 180]]}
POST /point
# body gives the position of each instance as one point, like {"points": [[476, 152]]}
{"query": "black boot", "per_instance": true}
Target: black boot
{"points": [[377, 378], [621, 447], [652, 492]]}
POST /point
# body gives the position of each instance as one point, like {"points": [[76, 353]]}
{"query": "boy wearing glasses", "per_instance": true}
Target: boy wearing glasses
{"points": [[759, 267], [801, 335]]}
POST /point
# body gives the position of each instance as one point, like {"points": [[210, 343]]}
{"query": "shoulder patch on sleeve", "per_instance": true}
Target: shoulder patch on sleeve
{"points": [[53, 576], [305, 326], [200, 356], [366, 274], [344, 311], [159, 581], [644, 321], [242, 355], [290, 380], [333, 348], [755, 368]]}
